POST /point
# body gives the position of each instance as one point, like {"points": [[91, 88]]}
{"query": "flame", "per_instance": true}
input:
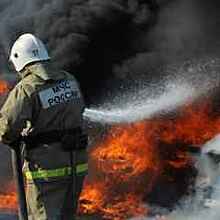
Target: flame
{"points": [[114, 209], [131, 159], [4, 87], [121, 159], [8, 200], [194, 125], [126, 154]]}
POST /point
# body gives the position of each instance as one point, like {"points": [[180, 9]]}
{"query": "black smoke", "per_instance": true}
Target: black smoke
{"points": [[109, 43], [84, 37]]}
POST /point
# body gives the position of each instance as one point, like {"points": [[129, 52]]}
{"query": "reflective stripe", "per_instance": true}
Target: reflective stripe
{"points": [[81, 168], [61, 172]]}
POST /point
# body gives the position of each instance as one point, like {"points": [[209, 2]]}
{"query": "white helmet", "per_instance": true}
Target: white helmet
{"points": [[27, 49]]}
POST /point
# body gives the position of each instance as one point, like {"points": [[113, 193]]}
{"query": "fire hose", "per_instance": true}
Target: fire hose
{"points": [[17, 170], [73, 159]]}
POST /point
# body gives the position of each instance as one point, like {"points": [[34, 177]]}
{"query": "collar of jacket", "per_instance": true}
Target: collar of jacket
{"points": [[41, 70]]}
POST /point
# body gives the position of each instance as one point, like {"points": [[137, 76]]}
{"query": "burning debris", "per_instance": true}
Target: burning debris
{"points": [[4, 87], [147, 163], [8, 199]]}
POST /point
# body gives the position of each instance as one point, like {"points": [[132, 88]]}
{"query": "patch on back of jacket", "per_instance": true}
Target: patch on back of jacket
{"points": [[63, 92]]}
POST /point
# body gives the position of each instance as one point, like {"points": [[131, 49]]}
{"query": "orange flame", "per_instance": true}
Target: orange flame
{"points": [[4, 87], [8, 200], [129, 162], [194, 125]]}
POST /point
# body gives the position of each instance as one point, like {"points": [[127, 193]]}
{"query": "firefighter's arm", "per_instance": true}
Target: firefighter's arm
{"points": [[14, 114]]}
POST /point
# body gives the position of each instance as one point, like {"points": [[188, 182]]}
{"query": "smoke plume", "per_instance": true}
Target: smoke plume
{"points": [[113, 42], [84, 37]]}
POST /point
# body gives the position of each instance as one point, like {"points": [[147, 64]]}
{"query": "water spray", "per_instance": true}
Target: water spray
{"points": [[142, 107], [188, 83]]}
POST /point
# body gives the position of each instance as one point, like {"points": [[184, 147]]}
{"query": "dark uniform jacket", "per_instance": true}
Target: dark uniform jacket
{"points": [[44, 100]]}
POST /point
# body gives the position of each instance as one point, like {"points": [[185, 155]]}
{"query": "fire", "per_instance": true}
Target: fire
{"points": [[118, 208], [132, 160], [123, 155], [4, 87], [194, 125], [8, 200], [116, 190]]}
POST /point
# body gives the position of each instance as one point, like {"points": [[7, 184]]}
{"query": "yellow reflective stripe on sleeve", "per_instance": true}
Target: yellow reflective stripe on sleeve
{"points": [[61, 172]]}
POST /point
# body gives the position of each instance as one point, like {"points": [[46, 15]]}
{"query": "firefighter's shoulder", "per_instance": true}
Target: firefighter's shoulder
{"points": [[29, 84]]}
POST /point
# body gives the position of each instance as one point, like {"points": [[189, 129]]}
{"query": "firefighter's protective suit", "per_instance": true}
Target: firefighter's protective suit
{"points": [[43, 107]]}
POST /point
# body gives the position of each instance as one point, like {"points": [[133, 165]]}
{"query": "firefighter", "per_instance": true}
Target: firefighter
{"points": [[44, 112]]}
